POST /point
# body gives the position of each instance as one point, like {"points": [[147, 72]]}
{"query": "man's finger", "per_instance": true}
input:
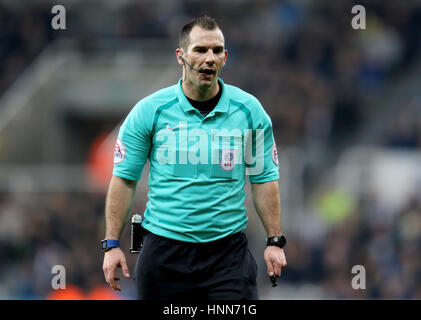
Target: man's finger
{"points": [[274, 268], [270, 268], [116, 285], [111, 277], [124, 268], [105, 274], [111, 283], [282, 265], [277, 269]]}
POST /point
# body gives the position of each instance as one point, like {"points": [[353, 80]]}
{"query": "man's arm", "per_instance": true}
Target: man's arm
{"points": [[268, 205], [117, 207]]}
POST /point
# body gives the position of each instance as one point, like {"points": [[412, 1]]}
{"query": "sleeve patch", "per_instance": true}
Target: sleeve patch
{"points": [[274, 153], [119, 152]]}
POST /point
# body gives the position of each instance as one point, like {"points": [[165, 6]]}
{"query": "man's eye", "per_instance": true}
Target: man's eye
{"points": [[217, 51]]}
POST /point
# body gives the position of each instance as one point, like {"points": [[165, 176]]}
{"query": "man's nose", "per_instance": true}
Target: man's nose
{"points": [[210, 57]]}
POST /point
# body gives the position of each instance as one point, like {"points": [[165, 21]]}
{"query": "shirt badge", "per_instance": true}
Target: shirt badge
{"points": [[227, 159]]}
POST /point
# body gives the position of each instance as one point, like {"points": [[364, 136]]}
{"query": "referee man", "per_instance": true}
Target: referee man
{"points": [[203, 138]]}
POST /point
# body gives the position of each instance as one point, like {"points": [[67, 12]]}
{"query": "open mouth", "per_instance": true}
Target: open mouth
{"points": [[207, 72]]}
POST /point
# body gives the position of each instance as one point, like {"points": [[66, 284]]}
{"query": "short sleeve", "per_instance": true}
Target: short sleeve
{"points": [[264, 167], [134, 142]]}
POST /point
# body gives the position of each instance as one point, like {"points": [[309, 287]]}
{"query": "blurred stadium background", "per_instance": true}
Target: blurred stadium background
{"points": [[346, 112]]}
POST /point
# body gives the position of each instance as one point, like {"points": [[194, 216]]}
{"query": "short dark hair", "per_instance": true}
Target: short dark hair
{"points": [[205, 22]]}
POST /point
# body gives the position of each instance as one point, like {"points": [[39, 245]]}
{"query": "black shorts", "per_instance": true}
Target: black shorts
{"points": [[168, 269]]}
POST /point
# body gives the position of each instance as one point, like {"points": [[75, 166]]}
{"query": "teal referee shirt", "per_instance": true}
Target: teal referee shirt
{"points": [[198, 164]]}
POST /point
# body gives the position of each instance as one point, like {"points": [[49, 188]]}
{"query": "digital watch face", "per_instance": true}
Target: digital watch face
{"points": [[103, 245]]}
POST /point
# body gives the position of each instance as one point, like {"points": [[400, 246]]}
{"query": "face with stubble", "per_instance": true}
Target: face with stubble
{"points": [[206, 52]]}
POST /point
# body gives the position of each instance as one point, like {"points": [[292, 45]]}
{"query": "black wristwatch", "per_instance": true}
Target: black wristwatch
{"points": [[278, 241]]}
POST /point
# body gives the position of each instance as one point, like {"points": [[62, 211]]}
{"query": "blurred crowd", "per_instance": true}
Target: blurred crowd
{"points": [[24, 31], [404, 128], [314, 74], [312, 71], [385, 242], [39, 231]]}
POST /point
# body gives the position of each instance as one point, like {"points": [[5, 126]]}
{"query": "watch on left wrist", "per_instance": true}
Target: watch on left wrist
{"points": [[279, 241]]}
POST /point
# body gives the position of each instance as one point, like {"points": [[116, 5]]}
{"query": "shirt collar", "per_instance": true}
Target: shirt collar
{"points": [[222, 105]]}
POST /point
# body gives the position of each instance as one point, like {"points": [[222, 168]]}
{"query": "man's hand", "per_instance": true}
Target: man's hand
{"points": [[113, 259], [275, 260]]}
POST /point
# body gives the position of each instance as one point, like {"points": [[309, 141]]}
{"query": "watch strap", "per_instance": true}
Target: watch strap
{"points": [[278, 241], [108, 244]]}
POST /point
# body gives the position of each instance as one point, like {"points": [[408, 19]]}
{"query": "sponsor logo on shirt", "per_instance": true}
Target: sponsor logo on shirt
{"points": [[225, 147], [119, 151]]}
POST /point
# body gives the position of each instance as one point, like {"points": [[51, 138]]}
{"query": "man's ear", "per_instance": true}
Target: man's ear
{"points": [[179, 53], [226, 56]]}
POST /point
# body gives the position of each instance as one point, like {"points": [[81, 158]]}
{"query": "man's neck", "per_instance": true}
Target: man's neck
{"points": [[200, 94]]}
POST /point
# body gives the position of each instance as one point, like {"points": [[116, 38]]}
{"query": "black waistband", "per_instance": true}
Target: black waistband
{"points": [[217, 242]]}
